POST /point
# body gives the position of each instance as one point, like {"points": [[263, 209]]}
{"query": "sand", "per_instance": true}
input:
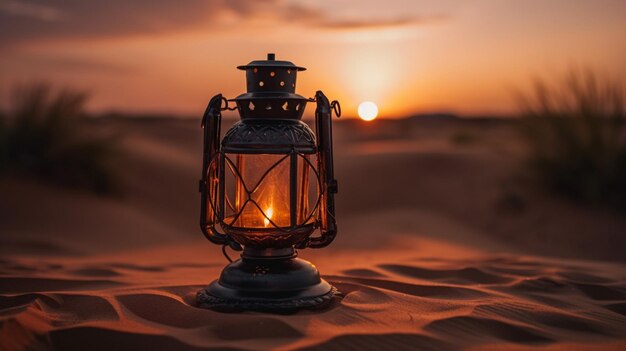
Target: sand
{"points": [[440, 248], [410, 298]]}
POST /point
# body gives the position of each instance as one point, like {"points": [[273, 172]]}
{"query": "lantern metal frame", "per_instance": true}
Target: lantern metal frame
{"points": [[269, 276]]}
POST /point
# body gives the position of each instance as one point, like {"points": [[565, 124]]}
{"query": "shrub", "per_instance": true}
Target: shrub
{"points": [[44, 134], [576, 136]]}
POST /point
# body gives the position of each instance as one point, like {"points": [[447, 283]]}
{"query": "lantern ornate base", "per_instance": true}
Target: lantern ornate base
{"points": [[206, 300], [269, 284]]}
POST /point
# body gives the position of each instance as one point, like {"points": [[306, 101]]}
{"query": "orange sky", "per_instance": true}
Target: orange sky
{"points": [[408, 56]]}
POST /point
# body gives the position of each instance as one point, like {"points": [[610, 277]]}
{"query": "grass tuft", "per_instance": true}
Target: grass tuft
{"points": [[45, 134], [575, 131]]}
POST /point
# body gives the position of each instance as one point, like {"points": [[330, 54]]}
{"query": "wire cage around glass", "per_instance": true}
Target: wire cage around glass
{"points": [[268, 196]]}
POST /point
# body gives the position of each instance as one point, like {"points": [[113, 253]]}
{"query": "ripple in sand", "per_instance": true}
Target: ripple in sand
{"points": [[20, 285], [515, 271], [542, 284], [171, 311], [28, 315], [602, 292], [102, 339], [364, 295], [469, 275], [256, 327], [538, 315], [362, 272], [95, 272], [135, 267], [186, 292], [24, 300], [175, 313], [578, 277], [12, 268], [468, 327], [381, 342], [83, 308], [363, 298], [619, 308], [20, 337], [63, 308], [429, 291]]}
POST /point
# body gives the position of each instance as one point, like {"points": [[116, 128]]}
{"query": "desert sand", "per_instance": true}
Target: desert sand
{"points": [[442, 245]]}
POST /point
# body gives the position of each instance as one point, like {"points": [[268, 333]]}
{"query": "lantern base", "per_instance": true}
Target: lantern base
{"points": [[269, 284]]}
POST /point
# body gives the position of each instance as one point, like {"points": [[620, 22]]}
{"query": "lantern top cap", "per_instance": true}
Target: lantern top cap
{"points": [[271, 62]]}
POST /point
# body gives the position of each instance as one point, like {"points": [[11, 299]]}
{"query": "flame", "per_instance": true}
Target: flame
{"points": [[268, 215]]}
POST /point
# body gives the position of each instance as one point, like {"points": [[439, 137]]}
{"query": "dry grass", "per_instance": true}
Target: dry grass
{"points": [[575, 131], [45, 135]]}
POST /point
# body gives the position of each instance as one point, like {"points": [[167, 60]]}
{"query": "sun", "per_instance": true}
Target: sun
{"points": [[368, 111]]}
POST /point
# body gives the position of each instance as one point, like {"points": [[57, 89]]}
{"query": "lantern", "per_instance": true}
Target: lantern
{"points": [[265, 189]]}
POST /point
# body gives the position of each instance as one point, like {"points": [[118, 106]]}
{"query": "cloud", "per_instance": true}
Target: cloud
{"points": [[379, 24], [27, 21], [30, 10], [317, 18], [77, 64]]}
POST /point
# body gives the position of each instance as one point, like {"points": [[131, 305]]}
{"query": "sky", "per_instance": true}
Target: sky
{"points": [[467, 57]]}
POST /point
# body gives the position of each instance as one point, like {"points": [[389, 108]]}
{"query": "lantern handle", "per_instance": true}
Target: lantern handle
{"points": [[211, 122], [323, 124], [336, 107], [226, 108]]}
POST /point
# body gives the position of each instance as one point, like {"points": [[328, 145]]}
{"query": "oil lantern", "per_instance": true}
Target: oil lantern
{"points": [[266, 187]]}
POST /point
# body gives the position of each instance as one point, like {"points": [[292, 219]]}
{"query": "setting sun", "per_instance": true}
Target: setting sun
{"points": [[368, 111]]}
